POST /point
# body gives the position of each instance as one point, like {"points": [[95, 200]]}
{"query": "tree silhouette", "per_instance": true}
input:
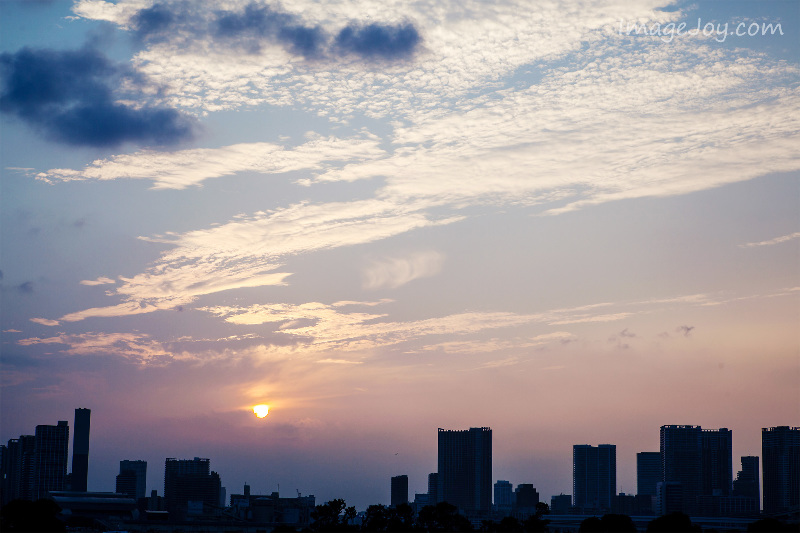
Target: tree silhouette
{"points": [[442, 517], [672, 523], [332, 516], [23, 515]]}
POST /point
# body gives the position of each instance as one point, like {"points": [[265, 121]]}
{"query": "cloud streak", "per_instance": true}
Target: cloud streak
{"points": [[393, 272]]}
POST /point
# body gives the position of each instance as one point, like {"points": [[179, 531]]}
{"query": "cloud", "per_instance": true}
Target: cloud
{"points": [[257, 23], [776, 240], [135, 346], [154, 23], [68, 95], [392, 272], [25, 287], [102, 280], [685, 330], [379, 41], [11, 331], [183, 168], [45, 321]]}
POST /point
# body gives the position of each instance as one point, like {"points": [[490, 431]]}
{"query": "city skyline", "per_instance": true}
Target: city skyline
{"points": [[699, 455], [570, 223]]}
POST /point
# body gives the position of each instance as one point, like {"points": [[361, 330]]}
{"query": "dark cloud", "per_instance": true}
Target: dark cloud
{"points": [[685, 330], [626, 333], [26, 287], [376, 41], [68, 95], [257, 23], [154, 23]]}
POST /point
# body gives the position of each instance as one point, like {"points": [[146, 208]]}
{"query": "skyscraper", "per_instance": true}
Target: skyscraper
{"points": [[80, 450], [780, 453], [51, 450], [648, 473], [465, 468], [399, 490], [682, 462], [594, 476], [717, 456], [132, 478]]}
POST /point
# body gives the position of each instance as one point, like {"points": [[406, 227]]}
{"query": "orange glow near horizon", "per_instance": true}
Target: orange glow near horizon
{"points": [[261, 410]]}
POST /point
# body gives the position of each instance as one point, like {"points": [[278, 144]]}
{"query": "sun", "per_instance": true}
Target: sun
{"points": [[261, 410]]}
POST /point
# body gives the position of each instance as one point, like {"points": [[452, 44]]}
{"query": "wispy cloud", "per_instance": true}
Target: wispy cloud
{"points": [[184, 168], [392, 272], [770, 242], [102, 280], [136, 346]]}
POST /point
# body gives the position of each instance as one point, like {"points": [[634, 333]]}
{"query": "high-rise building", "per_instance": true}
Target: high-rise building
{"points": [[51, 451], [682, 462], [80, 450], [561, 504], [780, 453], [594, 476], [399, 490], [17, 475], [132, 478], [526, 497], [747, 483], [648, 473], [189, 480], [503, 496], [717, 456], [465, 468]]}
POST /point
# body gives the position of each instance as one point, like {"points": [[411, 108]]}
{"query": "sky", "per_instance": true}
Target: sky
{"points": [[572, 222]]}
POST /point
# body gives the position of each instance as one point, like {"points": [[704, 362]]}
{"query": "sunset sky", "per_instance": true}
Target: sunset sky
{"points": [[384, 217]]}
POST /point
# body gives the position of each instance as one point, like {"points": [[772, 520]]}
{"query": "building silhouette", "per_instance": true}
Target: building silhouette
{"points": [[80, 450], [561, 504], [434, 496], [682, 463], [132, 478], [503, 497], [648, 473], [17, 469], [594, 476], [717, 457], [465, 469], [399, 490], [747, 483], [189, 481], [526, 497], [50, 454], [780, 453]]}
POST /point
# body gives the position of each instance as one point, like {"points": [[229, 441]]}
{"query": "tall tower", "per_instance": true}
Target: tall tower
{"points": [[188, 480], [594, 476], [51, 450], [747, 482], [682, 462], [717, 461], [465, 468], [780, 453], [80, 450], [399, 490]]}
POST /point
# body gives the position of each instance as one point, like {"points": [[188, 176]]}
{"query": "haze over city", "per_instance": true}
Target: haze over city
{"points": [[570, 223]]}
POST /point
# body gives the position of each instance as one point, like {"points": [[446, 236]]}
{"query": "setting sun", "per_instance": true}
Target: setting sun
{"points": [[261, 410]]}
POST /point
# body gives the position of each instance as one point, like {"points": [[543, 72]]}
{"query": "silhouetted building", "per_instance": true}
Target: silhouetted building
{"points": [[561, 504], [594, 476], [747, 483], [780, 453], [132, 478], [669, 498], [503, 497], [80, 450], [272, 509], [465, 469], [17, 475], [717, 456], [51, 451], [526, 497], [648, 473], [399, 490], [434, 496], [682, 462], [189, 485]]}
